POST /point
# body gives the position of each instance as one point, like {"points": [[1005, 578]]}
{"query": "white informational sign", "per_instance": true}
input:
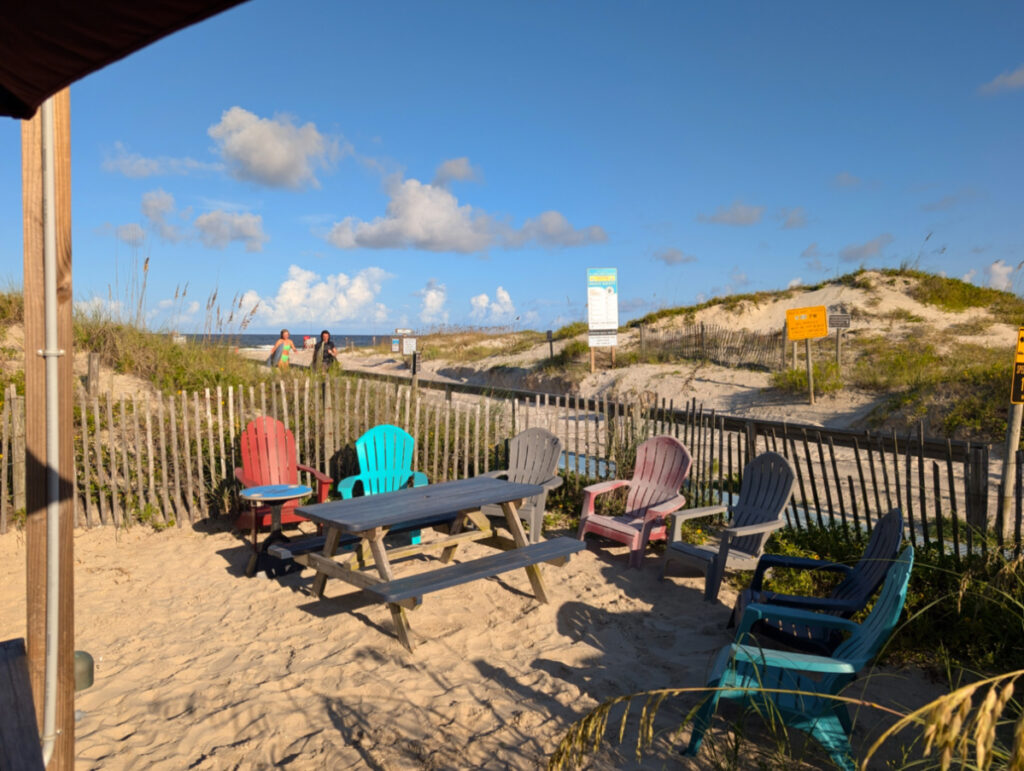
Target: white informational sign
{"points": [[603, 306], [603, 339], [408, 346], [395, 341], [401, 332]]}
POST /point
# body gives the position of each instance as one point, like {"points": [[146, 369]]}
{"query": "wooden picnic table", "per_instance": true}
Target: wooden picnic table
{"points": [[451, 508]]}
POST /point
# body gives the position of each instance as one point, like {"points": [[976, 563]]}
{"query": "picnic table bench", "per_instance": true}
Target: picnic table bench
{"points": [[454, 509]]}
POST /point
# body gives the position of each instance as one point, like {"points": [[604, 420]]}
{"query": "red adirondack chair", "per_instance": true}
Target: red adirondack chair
{"points": [[268, 458], [662, 465]]}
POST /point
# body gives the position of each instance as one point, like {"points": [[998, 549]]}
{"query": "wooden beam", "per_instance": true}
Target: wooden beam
{"points": [[35, 418]]}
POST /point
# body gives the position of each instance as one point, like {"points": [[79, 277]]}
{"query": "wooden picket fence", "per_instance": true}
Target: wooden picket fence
{"points": [[171, 459]]}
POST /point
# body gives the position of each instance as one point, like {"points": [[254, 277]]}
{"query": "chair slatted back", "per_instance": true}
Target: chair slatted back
{"points": [[873, 566], [662, 465], [533, 456], [863, 645], [767, 485], [385, 455], [268, 453]]}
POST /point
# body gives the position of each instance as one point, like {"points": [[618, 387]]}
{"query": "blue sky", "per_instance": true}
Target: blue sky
{"points": [[366, 166]]}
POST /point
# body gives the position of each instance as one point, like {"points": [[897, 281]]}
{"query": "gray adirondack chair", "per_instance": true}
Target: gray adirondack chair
{"points": [[849, 595], [532, 459], [767, 484]]}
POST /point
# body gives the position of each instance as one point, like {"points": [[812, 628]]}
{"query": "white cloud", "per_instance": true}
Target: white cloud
{"points": [[998, 275], [157, 207], [217, 229], [811, 252], [306, 297], [122, 161], [456, 170], [500, 309], [131, 234], [793, 218], [272, 151], [674, 257], [969, 275], [434, 296], [846, 179], [428, 217], [739, 214], [1006, 81], [861, 252], [794, 283]]}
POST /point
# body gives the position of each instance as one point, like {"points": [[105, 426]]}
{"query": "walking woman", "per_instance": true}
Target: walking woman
{"points": [[287, 349]]}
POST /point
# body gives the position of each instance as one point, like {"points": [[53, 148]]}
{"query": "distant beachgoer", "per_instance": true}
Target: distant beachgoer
{"points": [[287, 349], [324, 352]]}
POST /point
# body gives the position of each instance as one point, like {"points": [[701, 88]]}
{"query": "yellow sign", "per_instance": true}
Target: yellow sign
{"points": [[807, 323], [1017, 387]]}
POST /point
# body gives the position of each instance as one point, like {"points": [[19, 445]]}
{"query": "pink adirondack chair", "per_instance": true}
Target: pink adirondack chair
{"points": [[268, 458], [662, 465]]}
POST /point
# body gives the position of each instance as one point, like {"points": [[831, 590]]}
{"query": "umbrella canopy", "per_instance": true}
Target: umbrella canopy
{"points": [[48, 44]]}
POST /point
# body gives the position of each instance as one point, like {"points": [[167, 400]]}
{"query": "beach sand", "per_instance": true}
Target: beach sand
{"points": [[199, 667]]}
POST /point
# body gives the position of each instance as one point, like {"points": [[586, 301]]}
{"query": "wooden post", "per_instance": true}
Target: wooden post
{"points": [[592, 361], [785, 337], [810, 370], [92, 378], [35, 340], [839, 347], [1010, 461]]}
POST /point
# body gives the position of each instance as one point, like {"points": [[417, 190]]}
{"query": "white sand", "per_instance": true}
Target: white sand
{"points": [[199, 667]]}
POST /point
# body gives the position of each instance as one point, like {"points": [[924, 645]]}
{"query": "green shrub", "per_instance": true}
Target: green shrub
{"points": [[570, 330], [827, 379]]}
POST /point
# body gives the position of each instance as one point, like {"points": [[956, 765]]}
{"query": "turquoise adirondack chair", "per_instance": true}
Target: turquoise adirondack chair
{"points": [[385, 463], [826, 720]]}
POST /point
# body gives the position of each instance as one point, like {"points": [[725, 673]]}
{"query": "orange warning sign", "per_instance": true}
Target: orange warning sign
{"points": [[1017, 386], [807, 323]]}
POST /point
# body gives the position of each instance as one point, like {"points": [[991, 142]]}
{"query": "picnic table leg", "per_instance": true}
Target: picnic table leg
{"points": [[515, 526], [380, 558], [330, 547], [456, 527]]}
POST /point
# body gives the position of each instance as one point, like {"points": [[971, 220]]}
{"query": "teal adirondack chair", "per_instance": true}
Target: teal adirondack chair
{"points": [[385, 463], [826, 720]]}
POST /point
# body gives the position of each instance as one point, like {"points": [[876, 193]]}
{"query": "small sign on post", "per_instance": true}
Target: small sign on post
{"points": [[807, 324], [602, 309], [396, 343], [1017, 386]]}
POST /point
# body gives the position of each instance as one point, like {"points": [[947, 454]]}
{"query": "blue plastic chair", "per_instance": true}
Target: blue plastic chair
{"points": [[807, 708], [385, 463]]}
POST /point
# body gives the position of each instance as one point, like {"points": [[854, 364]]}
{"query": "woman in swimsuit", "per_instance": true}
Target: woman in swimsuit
{"points": [[287, 348]]}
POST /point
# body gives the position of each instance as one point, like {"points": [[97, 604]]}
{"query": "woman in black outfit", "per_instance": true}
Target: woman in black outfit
{"points": [[324, 352]]}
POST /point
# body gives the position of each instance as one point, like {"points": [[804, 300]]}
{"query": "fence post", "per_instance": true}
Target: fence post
{"points": [[92, 378], [751, 433], [977, 493]]}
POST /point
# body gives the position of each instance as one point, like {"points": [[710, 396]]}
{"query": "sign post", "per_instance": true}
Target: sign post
{"points": [[807, 324], [838, 319], [602, 310], [1013, 430]]}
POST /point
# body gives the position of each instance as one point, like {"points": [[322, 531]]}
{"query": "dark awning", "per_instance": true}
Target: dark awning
{"points": [[46, 45]]}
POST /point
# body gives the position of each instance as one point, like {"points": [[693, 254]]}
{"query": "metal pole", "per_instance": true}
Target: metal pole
{"points": [[51, 354]]}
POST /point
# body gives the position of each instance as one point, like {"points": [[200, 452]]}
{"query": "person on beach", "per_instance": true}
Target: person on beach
{"points": [[287, 348], [324, 352]]}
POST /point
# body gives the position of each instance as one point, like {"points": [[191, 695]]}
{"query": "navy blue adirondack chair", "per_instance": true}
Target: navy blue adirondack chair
{"points": [[742, 671]]}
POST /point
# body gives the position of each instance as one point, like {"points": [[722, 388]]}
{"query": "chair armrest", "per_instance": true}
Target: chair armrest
{"points": [[346, 487], [679, 517], [606, 487], [319, 476], [768, 561], [825, 604], [758, 612], [551, 484], [804, 662], [662, 510], [419, 479], [592, 491], [494, 474], [243, 479], [761, 527]]}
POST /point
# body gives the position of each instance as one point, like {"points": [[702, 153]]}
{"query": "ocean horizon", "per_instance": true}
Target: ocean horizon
{"points": [[267, 340]]}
